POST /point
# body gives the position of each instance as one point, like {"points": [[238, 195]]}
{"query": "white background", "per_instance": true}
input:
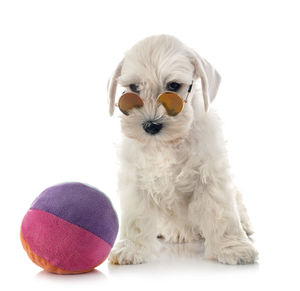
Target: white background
{"points": [[55, 60]]}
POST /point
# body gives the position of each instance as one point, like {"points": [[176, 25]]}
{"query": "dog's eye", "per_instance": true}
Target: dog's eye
{"points": [[134, 88], [173, 86]]}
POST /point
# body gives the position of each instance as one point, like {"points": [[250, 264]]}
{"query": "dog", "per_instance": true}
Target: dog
{"points": [[174, 181]]}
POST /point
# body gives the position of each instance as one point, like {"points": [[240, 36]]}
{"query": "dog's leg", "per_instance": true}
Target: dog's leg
{"points": [[245, 220], [137, 241], [219, 221]]}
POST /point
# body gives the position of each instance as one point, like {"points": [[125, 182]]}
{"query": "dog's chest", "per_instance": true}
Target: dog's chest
{"points": [[158, 171], [158, 175]]}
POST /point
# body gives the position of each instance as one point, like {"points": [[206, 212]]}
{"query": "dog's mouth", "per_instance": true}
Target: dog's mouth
{"points": [[152, 127]]}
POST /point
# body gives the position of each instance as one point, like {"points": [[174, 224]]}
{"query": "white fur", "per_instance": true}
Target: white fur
{"points": [[176, 184]]}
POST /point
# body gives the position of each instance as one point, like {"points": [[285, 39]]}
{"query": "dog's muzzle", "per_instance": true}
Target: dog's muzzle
{"points": [[152, 127]]}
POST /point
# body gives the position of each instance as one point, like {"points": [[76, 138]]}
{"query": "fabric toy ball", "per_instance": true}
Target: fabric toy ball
{"points": [[70, 228]]}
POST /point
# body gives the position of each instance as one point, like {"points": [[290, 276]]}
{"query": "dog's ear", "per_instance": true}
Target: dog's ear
{"points": [[112, 87], [210, 78]]}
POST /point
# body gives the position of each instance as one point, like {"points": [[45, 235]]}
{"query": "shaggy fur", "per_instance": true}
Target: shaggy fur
{"points": [[176, 184]]}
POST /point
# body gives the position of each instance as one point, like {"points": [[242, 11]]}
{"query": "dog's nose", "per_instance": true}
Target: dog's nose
{"points": [[152, 127]]}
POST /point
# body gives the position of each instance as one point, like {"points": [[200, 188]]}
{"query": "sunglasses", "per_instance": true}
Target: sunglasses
{"points": [[170, 100]]}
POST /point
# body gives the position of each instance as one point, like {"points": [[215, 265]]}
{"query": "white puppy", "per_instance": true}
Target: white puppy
{"points": [[174, 180]]}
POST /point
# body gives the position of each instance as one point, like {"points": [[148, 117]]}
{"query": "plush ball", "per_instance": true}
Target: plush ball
{"points": [[70, 228]]}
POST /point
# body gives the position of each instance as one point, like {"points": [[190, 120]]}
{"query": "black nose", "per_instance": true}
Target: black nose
{"points": [[152, 127]]}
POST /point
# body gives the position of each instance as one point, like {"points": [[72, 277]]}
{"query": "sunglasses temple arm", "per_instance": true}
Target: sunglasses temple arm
{"points": [[188, 93]]}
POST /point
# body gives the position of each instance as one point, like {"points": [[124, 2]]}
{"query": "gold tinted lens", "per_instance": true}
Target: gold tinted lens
{"points": [[128, 101], [172, 102]]}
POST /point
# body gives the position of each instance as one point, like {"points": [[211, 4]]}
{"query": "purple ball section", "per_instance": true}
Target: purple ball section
{"points": [[82, 205]]}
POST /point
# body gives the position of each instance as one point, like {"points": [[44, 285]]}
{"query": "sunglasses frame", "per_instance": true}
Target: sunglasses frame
{"points": [[160, 96]]}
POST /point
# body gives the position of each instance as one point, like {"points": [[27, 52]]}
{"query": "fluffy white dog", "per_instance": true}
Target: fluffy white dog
{"points": [[174, 180]]}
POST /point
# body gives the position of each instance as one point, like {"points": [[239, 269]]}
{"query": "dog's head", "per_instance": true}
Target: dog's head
{"points": [[155, 65]]}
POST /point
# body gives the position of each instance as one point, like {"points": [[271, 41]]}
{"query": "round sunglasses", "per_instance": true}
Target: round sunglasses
{"points": [[170, 100]]}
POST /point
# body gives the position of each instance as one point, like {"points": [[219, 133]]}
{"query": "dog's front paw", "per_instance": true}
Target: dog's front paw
{"points": [[243, 253], [176, 236], [126, 252]]}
